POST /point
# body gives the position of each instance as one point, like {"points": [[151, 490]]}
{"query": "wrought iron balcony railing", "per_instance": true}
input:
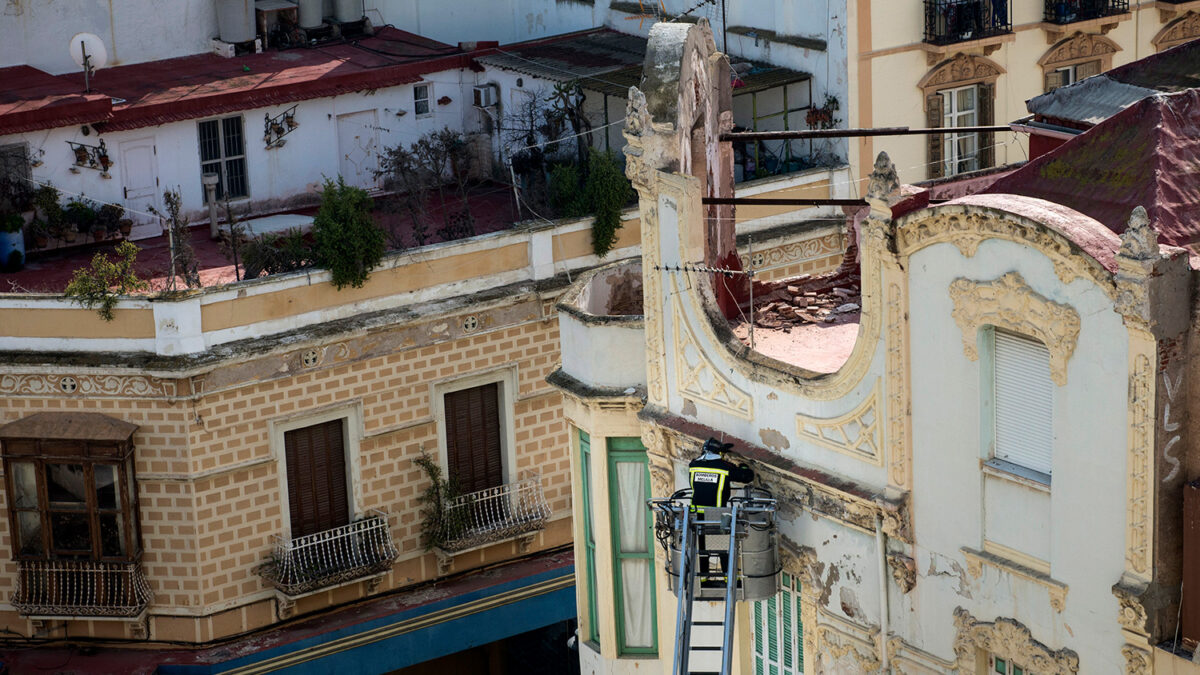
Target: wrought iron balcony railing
{"points": [[1069, 11], [950, 21], [493, 515], [361, 549], [81, 588]]}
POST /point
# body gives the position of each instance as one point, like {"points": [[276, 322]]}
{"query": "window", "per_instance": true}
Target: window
{"points": [[15, 183], [778, 632], [1064, 75], [318, 499], [960, 109], [589, 535], [223, 152], [72, 498], [1023, 396], [421, 95], [633, 556], [474, 451], [1006, 667]]}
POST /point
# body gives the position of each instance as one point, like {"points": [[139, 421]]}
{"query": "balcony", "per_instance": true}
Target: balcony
{"points": [[81, 588], [1070, 11], [477, 519], [361, 549], [951, 21]]}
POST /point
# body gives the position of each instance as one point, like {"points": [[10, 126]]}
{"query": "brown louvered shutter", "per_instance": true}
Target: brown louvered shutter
{"points": [[935, 142], [1087, 69], [473, 437], [1053, 80], [987, 117], [316, 473]]}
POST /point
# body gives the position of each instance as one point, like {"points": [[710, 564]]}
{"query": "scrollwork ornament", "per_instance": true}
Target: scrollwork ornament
{"points": [[1008, 639], [1131, 614], [904, 571], [1137, 661]]}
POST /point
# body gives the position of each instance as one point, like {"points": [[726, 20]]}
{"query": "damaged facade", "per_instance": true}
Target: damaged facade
{"points": [[989, 480]]}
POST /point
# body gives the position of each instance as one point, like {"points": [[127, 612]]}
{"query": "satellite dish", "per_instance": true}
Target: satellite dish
{"points": [[87, 49], [91, 46]]}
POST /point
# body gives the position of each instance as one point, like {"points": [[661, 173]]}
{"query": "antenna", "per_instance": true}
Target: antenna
{"points": [[88, 52]]}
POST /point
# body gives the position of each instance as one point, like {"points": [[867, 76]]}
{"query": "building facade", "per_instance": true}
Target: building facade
{"points": [[988, 480]]}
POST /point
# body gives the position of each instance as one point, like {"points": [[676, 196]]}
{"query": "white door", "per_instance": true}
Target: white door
{"points": [[358, 148], [139, 178]]}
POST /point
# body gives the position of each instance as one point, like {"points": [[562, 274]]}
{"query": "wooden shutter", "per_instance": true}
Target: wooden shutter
{"points": [[987, 117], [1087, 69], [316, 473], [935, 142], [1024, 402], [473, 447], [1053, 80]]}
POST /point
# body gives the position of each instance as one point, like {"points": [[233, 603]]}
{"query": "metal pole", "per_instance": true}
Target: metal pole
{"points": [[731, 577], [750, 253], [682, 620], [846, 133]]}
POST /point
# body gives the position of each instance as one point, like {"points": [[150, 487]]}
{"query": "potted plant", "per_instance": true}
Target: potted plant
{"points": [[12, 241], [39, 233], [125, 225], [105, 162], [81, 215], [109, 217], [81, 155]]}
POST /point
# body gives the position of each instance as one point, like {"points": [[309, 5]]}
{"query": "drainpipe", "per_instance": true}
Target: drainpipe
{"points": [[881, 543], [210, 195]]}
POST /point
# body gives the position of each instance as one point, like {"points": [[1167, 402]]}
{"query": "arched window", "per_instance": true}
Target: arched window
{"points": [[960, 92], [1075, 58]]}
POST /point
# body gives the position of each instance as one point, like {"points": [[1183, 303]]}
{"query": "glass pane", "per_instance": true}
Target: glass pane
{"points": [[210, 141], [966, 99], [24, 485], [69, 532], [235, 177], [108, 488], [65, 486], [1017, 671], [631, 486], [112, 535], [422, 107], [30, 535], [231, 128], [636, 602], [421, 93]]}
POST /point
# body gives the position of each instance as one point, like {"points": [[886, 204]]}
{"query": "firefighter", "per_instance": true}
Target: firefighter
{"points": [[710, 475]]}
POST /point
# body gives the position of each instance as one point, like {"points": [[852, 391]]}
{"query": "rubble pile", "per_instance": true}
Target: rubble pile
{"points": [[807, 300]]}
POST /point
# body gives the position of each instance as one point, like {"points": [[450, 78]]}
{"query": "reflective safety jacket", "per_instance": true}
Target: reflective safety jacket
{"points": [[710, 480]]}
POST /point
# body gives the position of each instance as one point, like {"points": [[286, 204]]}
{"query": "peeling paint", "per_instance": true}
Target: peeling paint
{"points": [[850, 606], [689, 408], [774, 440]]}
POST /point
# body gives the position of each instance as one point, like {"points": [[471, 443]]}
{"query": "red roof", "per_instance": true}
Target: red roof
{"points": [[32, 100], [1147, 155], [189, 87]]}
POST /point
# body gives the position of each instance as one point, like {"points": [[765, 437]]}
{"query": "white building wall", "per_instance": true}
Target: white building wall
{"points": [[36, 32], [505, 21], [278, 177], [950, 438]]}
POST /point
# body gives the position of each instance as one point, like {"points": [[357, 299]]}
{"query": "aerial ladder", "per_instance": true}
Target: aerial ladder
{"points": [[723, 554]]}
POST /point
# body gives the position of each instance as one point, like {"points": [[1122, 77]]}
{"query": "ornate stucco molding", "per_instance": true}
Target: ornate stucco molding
{"points": [[959, 71], [1179, 31], [1140, 466], [1131, 613], [1009, 303], [793, 252], [899, 457], [1136, 263], [696, 378], [837, 643], [1138, 661], [1078, 48], [977, 560], [855, 433], [57, 384], [967, 229], [1010, 640], [904, 571]]}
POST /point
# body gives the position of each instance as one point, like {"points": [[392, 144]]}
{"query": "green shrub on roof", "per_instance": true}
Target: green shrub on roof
{"points": [[347, 242]]}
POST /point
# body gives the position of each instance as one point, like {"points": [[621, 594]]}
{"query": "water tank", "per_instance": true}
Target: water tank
{"points": [[348, 10], [311, 13], [235, 20]]}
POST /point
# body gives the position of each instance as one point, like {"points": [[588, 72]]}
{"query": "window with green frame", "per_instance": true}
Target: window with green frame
{"points": [[633, 552], [1006, 667], [589, 535], [778, 632]]}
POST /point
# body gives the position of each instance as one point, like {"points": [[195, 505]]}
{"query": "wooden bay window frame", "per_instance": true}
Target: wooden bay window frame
{"points": [[66, 470]]}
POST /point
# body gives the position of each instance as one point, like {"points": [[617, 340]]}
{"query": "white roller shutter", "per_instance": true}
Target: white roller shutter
{"points": [[1024, 397]]}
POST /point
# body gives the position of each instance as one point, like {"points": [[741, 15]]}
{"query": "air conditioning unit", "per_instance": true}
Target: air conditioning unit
{"points": [[485, 96]]}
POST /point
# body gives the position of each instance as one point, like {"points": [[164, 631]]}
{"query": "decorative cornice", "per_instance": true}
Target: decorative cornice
{"points": [[855, 433], [1079, 46], [904, 571], [1011, 640], [1141, 465], [57, 384], [1182, 29], [1009, 303], [1131, 614], [1137, 661], [968, 229], [960, 70]]}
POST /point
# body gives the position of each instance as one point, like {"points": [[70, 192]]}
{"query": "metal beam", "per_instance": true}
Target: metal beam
{"points": [[845, 133], [765, 201]]}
